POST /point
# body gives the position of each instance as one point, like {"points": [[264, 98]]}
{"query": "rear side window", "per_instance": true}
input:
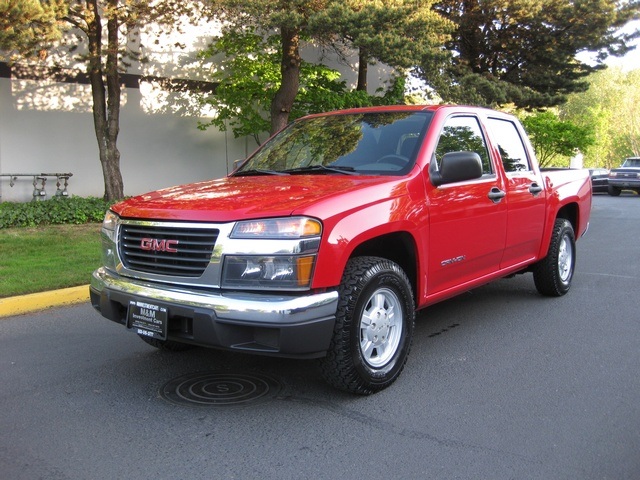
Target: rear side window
{"points": [[512, 150]]}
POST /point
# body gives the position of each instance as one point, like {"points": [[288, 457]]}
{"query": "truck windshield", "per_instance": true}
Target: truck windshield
{"points": [[632, 163], [380, 143]]}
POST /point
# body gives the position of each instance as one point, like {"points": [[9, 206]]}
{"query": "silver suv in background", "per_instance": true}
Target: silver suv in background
{"points": [[627, 177]]}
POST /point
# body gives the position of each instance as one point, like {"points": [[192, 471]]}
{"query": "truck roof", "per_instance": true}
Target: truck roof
{"points": [[408, 108]]}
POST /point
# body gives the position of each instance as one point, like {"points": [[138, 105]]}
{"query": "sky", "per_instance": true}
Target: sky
{"points": [[631, 60]]}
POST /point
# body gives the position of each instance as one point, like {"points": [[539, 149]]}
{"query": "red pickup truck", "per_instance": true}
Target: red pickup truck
{"points": [[326, 241]]}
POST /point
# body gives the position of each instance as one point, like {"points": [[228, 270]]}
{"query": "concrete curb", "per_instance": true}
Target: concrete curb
{"points": [[40, 301]]}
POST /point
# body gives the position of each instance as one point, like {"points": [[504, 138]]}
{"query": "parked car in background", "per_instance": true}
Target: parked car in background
{"points": [[599, 179], [627, 177]]}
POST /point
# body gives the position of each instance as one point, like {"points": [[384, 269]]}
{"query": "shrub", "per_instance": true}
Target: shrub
{"points": [[56, 211]]}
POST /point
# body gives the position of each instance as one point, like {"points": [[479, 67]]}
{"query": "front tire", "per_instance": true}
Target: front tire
{"points": [[374, 327], [614, 191], [553, 274]]}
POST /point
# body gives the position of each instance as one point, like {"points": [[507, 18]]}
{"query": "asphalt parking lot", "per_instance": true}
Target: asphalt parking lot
{"points": [[501, 383]]}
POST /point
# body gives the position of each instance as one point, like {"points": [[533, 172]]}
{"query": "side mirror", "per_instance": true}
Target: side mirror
{"points": [[456, 167]]}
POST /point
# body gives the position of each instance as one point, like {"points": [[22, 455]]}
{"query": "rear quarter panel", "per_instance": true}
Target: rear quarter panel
{"points": [[567, 189]]}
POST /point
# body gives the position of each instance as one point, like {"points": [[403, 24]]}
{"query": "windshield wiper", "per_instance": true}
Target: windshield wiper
{"points": [[257, 171], [323, 169]]}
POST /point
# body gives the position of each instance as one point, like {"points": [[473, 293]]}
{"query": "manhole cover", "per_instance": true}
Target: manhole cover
{"points": [[220, 389]]}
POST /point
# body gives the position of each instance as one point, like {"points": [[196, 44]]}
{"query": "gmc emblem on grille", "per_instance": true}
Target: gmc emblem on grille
{"points": [[155, 245]]}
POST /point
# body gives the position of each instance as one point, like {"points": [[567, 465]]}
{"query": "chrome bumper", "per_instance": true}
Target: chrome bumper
{"points": [[283, 325]]}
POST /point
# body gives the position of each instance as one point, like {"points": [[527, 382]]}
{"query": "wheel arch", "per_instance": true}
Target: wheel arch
{"points": [[570, 212], [399, 247]]}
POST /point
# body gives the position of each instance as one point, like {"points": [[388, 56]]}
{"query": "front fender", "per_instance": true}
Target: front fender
{"points": [[343, 237]]}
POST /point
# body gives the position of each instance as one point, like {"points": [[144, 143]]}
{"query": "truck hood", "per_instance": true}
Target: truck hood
{"points": [[239, 198]]}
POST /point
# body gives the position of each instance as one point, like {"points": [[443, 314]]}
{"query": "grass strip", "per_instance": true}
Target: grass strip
{"points": [[47, 258]]}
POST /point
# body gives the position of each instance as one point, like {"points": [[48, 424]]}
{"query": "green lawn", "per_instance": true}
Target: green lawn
{"points": [[48, 257]]}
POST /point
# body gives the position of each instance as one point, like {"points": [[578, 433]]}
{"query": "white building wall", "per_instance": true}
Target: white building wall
{"points": [[47, 127], [157, 149]]}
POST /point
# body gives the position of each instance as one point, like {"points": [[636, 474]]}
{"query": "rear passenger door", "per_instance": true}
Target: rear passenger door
{"points": [[525, 193], [467, 219]]}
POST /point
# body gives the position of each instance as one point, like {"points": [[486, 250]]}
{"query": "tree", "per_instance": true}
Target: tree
{"points": [[399, 33], [290, 19], [106, 58], [296, 21], [29, 27], [553, 138], [611, 106], [524, 52], [247, 74], [102, 35]]}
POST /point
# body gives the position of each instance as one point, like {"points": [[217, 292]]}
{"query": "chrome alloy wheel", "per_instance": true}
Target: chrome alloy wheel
{"points": [[380, 328], [565, 259]]}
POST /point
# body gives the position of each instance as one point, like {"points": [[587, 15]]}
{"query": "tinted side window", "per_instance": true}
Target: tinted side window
{"points": [[463, 134], [512, 150]]}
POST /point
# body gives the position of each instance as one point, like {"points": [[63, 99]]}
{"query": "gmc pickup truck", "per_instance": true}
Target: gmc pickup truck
{"points": [[326, 241]]}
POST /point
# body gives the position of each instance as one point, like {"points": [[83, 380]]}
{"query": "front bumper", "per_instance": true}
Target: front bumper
{"points": [[622, 182], [269, 324]]}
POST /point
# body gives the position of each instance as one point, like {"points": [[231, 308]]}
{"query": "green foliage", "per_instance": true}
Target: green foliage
{"points": [[553, 138], [387, 31], [611, 108], [399, 33], [56, 211], [27, 27], [524, 52], [248, 76]]}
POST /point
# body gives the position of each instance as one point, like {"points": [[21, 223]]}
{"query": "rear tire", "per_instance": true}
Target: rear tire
{"points": [[553, 274], [374, 327], [168, 345]]}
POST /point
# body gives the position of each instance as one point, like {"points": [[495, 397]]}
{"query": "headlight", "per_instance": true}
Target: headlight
{"points": [[109, 240], [110, 222], [289, 227], [290, 272], [283, 254]]}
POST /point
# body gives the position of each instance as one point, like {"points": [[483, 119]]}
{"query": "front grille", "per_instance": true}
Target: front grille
{"points": [[183, 252]]}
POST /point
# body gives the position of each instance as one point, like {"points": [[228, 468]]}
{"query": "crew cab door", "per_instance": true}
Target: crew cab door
{"points": [[467, 219], [526, 198]]}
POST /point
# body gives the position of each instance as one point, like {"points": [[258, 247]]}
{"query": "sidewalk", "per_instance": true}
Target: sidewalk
{"points": [[40, 301]]}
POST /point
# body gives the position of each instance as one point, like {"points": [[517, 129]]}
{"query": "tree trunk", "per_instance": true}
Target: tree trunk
{"points": [[363, 66], [290, 69], [106, 98]]}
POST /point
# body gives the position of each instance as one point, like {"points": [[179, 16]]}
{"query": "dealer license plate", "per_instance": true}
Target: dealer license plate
{"points": [[147, 319]]}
